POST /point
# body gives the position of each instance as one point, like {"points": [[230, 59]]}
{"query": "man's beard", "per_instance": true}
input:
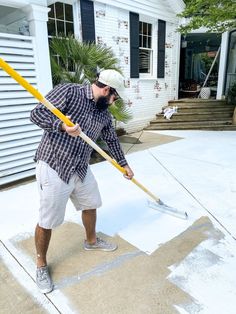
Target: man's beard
{"points": [[102, 103]]}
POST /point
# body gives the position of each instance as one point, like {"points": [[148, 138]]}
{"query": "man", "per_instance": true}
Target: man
{"points": [[62, 158]]}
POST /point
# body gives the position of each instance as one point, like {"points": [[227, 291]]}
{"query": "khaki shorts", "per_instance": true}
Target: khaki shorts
{"points": [[54, 194]]}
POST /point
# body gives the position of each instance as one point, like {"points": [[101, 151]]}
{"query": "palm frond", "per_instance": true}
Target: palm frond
{"points": [[120, 111]]}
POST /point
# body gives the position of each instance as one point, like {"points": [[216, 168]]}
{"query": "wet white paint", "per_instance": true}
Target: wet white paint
{"points": [[55, 300], [19, 210], [125, 209], [205, 164], [26, 282], [208, 275]]}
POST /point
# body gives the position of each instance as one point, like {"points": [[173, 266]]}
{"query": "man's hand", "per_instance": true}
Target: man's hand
{"points": [[129, 173], [71, 130]]}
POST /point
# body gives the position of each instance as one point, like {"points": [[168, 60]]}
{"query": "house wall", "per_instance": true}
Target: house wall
{"points": [[29, 55], [29, 17], [146, 95]]}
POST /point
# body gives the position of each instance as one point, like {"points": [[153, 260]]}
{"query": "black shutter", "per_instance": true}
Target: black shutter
{"points": [[161, 38], [134, 44], [87, 20]]}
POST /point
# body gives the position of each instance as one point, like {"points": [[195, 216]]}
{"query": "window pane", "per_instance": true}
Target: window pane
{"points": [[71, 66], [59, 11], [51, 28], [145, 35], [144, 41], [68, 12], [69, 28], [60, 28], [145, 28], [144, 61], [51, 13], [59, 61]]}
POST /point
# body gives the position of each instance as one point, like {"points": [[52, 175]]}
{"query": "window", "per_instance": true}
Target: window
{"points": [[145, 47], [60, 19], [60, 23]]}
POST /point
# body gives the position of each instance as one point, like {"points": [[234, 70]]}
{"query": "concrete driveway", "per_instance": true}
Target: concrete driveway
{"points": [[163, 264]]}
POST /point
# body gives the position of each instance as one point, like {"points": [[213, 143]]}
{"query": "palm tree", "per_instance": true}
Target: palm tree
{"points": [[77, 62]]}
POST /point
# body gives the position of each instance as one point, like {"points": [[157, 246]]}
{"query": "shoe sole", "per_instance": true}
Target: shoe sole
{"points": [[99, 249], [45, 291]]}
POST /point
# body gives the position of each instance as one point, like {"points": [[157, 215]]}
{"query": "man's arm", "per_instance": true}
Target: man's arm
{"points": [[110, 137], [43, 117]]}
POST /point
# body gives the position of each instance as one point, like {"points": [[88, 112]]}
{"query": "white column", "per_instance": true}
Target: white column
{"points": [[37, 17], [222, 66], [77, 20], [177, 56]]}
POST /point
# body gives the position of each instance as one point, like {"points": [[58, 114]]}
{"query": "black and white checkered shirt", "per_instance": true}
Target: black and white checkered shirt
{"points": [[66, 154]]}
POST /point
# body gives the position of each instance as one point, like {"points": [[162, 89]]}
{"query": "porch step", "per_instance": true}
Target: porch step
{"points": [[196, 101], [199, 104], [196, 114], [206, 110], [203, 125]]}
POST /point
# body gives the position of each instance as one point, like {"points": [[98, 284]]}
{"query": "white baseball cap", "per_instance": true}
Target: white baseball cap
{"points": [[113, 79]]}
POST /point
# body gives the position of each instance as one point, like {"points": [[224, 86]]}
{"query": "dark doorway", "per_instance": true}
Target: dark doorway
{"points": [[231, 63], [198, 51]]}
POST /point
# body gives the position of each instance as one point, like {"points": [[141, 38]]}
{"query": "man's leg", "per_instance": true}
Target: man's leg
{"points": [[54, 194], [84, 196], [43, 278], [93, 242], [42, 239], [89, 218]]}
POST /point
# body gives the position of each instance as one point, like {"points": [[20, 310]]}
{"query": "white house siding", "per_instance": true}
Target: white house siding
{"points": [[18, 136], [146, 96], [172, 61], [28, 55]]}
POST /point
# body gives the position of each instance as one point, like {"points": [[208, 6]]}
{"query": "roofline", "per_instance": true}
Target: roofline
{"points": [[177, 5]]}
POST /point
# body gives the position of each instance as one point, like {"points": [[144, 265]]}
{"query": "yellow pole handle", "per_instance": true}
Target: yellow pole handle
{"points": [[7, 68], [16, 76]]}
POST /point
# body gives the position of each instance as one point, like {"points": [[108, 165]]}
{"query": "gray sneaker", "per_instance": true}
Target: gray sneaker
{"points": [[43, 279], [100, 245]]}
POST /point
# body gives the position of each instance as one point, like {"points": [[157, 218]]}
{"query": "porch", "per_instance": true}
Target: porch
{"points": [[196, 114]]}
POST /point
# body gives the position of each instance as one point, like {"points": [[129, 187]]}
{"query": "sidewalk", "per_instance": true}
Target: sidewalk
{"points": [[142, 140], [163, 264]]}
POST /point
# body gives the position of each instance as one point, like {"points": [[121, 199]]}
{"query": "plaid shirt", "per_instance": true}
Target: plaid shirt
{"points": [[66, 154]]}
